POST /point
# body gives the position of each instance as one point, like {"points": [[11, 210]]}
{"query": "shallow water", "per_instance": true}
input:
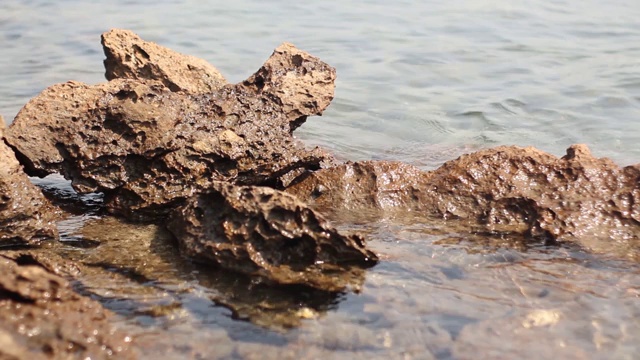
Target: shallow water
{"points": [[417, 82]]}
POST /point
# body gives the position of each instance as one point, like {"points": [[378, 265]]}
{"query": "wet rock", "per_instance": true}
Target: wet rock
{"points": [[44, 257], [507, 189], [147, 148], [41, 317], [26, 217], [130, 57], [372, 185], [262, 231]]}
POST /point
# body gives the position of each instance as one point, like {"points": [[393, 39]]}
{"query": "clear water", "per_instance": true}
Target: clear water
{"points": [[420, 82]]}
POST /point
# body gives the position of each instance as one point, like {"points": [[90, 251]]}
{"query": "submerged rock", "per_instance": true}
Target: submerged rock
{"points": [[41, 317], [26, 217], [130, 57], [507, 188], [148, 148], [262, 231]]}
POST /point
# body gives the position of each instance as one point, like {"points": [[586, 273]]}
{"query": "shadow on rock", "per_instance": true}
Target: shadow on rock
{"points": [[59, 191]]}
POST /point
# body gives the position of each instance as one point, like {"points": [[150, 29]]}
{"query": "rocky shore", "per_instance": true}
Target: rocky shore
{"points": [[214, 171]]}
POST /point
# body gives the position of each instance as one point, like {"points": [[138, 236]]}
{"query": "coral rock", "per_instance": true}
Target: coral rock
{"points": [[262, 231], [26, 216], [508, 188], [148, 148], [130, 57], [41, 317]]}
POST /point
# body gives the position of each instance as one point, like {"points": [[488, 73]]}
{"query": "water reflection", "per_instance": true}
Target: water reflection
{"points": [[437, 293], [139, 265], [274, 307]]}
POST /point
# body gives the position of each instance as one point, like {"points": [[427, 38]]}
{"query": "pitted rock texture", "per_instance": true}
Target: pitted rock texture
{"points": [[42, 318], [262, 231], [130, 57], [507, 188], [147, 148], [383, 185], [26, 216]]}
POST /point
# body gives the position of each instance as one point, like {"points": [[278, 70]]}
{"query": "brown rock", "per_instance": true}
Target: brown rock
{"points": [[301, 83], [26, 217], [372, 185], [130, 57], [507, 188], [262, 231], [41, 317], [148, 148]]}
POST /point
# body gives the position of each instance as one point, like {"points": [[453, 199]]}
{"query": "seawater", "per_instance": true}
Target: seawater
{"points": [[421, 82]]}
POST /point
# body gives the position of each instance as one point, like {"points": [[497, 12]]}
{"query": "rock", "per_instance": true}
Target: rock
{"points": [[262, 231], [130, 57], [372, 185], [41, 317], [506, 189], [301, 83], [148, 148], [26, 217]]}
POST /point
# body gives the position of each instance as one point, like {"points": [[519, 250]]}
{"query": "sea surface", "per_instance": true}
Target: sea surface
{"points": [[420, 82]]}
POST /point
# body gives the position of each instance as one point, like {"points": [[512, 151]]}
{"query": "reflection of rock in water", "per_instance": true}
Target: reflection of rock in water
{"points": [[268, 305], [151, 279]]}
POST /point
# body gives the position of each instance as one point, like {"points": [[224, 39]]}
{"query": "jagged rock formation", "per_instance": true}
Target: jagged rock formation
{"points": [[41, 317], [26, 216], [262, 231], [130, 57], [507, 188], [148, 148]]}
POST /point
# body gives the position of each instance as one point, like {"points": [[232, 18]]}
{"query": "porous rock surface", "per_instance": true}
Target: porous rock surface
{"points": [[262, 231], [148, 148], [371, 185], [130, 57], [26, 216], [508, 188], [42, 318]]}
